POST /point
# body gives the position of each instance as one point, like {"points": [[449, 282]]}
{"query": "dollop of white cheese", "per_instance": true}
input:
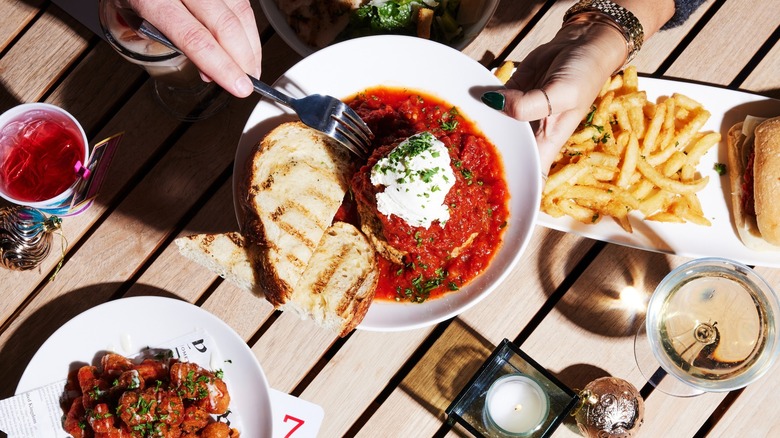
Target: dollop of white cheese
{"points": [[417, 176]]}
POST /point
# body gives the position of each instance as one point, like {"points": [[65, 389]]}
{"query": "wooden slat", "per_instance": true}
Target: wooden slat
{"points": [[31, 68], [510, 18], [542, 32], [723, 36], [96, 85], [16, 15], [358, 373], [290, 349], [660, 46], [764, 78]]}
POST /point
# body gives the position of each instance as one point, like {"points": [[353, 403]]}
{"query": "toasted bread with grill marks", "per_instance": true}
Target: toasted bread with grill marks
{"points": [[297, 179], [227, 255], [335, 290], [338, 285]]}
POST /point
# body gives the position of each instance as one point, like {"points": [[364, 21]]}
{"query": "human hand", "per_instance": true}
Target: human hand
{"points": [[219, 36], [555, 85]]}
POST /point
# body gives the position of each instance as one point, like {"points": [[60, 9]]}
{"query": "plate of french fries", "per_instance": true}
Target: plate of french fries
{"points": [[646, 168]]}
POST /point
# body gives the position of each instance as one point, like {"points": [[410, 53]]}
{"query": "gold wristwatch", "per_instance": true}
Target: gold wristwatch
{"points": [[624, 21]]}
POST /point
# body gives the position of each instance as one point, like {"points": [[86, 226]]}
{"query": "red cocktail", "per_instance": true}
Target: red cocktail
{"points": [[40, 146]]}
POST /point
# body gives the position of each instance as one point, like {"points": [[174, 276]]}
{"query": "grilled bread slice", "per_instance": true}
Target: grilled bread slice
{"points": [[339, 283], [297, 179], [226, 255], [335, 291]]}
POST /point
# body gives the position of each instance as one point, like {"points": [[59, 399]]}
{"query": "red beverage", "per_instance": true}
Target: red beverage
{"points": [[38, 152]]}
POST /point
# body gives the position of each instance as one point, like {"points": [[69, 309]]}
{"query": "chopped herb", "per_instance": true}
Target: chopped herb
{"points": [[449, 125], [720, 168], [589, 117]]}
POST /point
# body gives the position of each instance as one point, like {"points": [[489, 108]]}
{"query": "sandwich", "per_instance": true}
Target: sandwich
{"points": [[754, 174], [290, 250]]}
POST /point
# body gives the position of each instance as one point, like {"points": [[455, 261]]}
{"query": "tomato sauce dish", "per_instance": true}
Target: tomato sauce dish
{"points": [[450, 194]]}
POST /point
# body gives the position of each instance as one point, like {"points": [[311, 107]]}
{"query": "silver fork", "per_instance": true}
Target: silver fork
{"points": [[326, 114]]}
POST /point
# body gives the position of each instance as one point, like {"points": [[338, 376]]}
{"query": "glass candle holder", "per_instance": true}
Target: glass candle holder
{"points": [[511, 395]]}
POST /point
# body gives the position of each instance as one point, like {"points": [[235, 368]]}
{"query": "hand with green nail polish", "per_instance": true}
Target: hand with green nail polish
{"points": [[556, 83]]}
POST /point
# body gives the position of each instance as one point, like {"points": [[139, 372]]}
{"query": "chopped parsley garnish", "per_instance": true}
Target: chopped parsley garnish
{"points": [[720, 168], [589, 117], [421, 287]]}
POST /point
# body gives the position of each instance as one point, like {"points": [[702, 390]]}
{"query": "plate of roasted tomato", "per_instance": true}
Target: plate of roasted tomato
{"points": [[152, 366], [448, 197]]}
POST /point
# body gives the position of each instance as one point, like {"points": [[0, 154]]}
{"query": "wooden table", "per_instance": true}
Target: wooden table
{"points": [[171, 179]]}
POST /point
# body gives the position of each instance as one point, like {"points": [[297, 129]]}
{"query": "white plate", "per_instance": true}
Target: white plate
{"points": [[279, 22], [690, 240], [343, 69], [149, 321]]}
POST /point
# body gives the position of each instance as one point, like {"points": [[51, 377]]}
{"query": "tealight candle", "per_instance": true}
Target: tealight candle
{"points": [[516, 404]]}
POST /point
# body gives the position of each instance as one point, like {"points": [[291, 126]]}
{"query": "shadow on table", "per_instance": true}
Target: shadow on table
{"points": [[610, 296], [27, 338]]}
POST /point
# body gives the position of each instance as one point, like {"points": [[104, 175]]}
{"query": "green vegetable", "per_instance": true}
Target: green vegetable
{"points": [[720, 168], [399, 17]]}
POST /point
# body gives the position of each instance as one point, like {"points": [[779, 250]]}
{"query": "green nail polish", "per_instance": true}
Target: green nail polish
{"points": [[494, 100]]}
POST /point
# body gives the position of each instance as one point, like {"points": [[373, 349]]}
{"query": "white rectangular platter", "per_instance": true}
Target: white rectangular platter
{"points": [[690, 240]]}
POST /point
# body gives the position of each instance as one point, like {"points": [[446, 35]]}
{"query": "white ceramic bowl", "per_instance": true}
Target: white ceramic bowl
{"points": [[344, 69], [279, 23]]}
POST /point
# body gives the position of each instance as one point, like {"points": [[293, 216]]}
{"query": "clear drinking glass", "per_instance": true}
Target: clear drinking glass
{"points": [[177, 83], [712, 326]]}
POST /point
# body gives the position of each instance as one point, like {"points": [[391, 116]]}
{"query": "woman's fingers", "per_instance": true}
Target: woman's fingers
{"points": [[551, 133]]}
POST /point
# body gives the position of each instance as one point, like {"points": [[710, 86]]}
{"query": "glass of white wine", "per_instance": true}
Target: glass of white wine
{"points": [[712, 325]]}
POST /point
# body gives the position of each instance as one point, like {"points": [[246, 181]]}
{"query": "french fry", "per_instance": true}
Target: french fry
{"points": [[424, 22], [630, 154], [569, 172], [629, 162], [505, 71], [669, 184]]}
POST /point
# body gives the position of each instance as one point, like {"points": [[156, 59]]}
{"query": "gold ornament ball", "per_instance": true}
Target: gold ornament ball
{"points": [[25, 237], [611, 408]]}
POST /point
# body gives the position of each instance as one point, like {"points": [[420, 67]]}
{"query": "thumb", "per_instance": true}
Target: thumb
{"points": [[527, 105]]}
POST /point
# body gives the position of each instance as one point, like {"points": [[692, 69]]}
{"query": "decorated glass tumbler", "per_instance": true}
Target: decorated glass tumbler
{"points": [[178, 86], [43, 156]]}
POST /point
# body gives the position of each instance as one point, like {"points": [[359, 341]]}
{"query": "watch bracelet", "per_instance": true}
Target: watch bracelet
{"points": [[590, 18], [625, 22]]}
